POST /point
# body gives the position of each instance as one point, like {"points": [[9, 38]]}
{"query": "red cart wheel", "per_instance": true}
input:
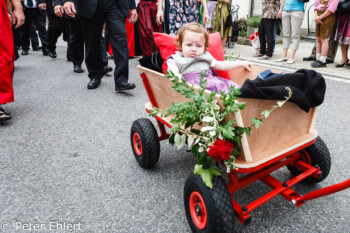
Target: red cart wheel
{"points": [[208, 210], [316, 155], [145, 142], [137, 144], [198, 211]]}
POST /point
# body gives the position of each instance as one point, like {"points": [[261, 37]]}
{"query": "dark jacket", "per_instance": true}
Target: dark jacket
{"points": [[308, 88], [49, 6], [58, 3], [87, 8]]}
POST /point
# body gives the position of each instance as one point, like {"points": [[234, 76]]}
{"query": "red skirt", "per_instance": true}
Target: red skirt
{"points": [[6, 56]]}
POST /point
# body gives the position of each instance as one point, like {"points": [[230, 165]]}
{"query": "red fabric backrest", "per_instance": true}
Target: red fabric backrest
{"points": [[166, 45]]}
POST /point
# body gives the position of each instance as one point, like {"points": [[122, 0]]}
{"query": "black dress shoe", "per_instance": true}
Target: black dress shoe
{"points": [[53, 54], [24, 52], [94, 83], [329, 61], [45, 51], [318, 64], [124, 86], [78, 69], [107, 69], [309, 58]]}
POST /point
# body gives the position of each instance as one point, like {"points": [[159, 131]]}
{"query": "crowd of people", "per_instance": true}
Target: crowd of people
{"points": [[87, 23], [332, 20]]}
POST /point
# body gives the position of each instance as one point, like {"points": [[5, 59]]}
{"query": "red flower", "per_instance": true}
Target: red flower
{"points": [[221, 150]]}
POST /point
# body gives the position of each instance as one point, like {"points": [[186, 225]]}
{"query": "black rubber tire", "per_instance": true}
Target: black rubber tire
{"points": [[320, 156], [231, 45], [149, 141], [217, 202]]}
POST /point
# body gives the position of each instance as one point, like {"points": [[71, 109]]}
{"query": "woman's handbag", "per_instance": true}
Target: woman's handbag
{"points": [[228, 22], [344, 6]]}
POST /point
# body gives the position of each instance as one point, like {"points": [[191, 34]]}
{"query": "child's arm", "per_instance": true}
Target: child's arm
{"points": [[230, 65], [173, 67]]}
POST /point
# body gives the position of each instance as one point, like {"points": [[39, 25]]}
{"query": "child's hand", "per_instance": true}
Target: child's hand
{"points": [[246, 65], [318, 19]]}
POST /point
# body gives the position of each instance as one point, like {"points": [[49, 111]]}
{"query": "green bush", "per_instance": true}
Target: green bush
{"points": [[253, 21]]}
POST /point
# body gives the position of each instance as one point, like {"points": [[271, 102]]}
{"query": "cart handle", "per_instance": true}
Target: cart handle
{"points": [[323, 192]]}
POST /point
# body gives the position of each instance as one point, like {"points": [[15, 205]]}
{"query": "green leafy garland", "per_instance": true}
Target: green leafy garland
{"points": [[203, 110]]}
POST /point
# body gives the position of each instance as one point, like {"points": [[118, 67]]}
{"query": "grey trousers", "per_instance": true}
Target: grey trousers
{"points": [[291, 25]]}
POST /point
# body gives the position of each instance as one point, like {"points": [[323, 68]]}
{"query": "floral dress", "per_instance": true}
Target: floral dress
{"points": [[343, 29], [182, 12]]}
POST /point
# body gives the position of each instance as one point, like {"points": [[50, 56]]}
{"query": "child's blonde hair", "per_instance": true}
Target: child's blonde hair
{"points": [[193, 27]]}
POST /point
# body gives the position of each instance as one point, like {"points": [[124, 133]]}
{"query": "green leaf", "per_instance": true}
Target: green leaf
{"points": [[171, 139], [266, 113], [280, 103], [182, 141], [177, 139], [206, 174], [257, 122]]}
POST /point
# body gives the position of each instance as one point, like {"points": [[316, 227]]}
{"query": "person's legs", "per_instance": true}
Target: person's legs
{"points": [[287, 30], [333, 44], [274, 34], [223, 42], [344, 54], [34, 37], [25, 31], [324, 50], [92, 33], [269, 26], [116, 23], [40, 22], [262, 34], [296, 21], [76, 42], [55, 28]]}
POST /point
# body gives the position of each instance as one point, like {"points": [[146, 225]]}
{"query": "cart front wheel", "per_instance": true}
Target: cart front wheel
{"points": [[316, 154], [145, 142], [208, 210]]}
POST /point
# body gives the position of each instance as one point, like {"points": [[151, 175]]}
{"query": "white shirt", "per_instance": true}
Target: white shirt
{"points": [[34, 5]]}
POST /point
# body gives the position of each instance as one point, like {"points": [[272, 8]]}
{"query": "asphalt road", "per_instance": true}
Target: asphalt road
{"points": [[66, 162]]}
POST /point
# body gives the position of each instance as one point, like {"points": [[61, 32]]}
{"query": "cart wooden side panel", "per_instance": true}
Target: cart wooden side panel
{"points": [[287, 128]]}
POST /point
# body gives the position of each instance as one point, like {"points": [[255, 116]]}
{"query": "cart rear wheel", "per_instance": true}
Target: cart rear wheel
{"points": [[208, 210], [145, 142], [316, 154]]}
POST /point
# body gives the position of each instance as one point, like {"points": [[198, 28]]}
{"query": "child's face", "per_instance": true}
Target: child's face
{"points": [[193, 44]]}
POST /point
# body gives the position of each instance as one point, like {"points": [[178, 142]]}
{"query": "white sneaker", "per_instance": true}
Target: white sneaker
{"points": [[290, 61]]}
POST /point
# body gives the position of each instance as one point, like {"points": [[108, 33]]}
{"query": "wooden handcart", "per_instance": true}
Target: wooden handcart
{"points": [[287, 138]]}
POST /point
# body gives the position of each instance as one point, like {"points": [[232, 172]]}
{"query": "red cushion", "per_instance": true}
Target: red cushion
{"points": [[166, 45]]}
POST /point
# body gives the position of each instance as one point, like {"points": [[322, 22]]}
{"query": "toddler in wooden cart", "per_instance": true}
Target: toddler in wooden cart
{"points": [[192, 58]]}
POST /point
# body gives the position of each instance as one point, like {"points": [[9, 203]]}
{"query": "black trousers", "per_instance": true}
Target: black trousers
{"points": [[110, 12], [75, 41], [38, 17], [266, 29], [55, 29]]}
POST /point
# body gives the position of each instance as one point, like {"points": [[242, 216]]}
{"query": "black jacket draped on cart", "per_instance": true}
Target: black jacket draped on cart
{"points": [[308, 88]]}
